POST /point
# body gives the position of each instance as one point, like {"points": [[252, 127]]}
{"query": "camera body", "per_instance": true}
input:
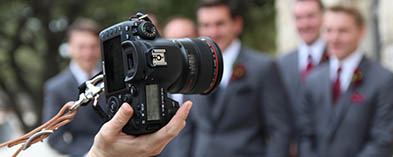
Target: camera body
{"points": [[140, 69]]}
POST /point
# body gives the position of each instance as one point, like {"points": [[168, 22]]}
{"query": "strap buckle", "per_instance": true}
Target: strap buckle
{"points": [[93, 89]]}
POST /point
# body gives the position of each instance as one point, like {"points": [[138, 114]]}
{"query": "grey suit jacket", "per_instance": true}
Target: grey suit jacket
{"points": [[289, 69], [249, 119], [360, 123], [76, 137]]}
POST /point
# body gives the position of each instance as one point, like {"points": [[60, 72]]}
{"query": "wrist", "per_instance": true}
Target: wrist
{"points": [[93, 152]]}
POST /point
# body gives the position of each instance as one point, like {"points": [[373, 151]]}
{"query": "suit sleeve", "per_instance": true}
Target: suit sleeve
{"points": [[381, 132], [52, 105], [275, 111]]}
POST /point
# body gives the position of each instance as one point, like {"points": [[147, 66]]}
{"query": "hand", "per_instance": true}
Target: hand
{"points": [[111, 141]]}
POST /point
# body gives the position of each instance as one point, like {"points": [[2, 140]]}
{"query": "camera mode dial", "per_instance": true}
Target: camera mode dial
{"points": [[147, 30]]}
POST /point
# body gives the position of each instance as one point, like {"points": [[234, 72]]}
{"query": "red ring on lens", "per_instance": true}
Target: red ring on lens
{"points": [[216, 76]]}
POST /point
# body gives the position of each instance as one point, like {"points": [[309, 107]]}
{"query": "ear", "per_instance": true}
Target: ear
{"points": [[363, 31], [238, 25]]}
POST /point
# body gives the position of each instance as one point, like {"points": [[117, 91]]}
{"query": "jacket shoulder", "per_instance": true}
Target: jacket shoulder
{"points": [[60, 80], [256, 57]]}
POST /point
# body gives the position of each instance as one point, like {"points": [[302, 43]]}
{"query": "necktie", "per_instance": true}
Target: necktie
{"points": [[308, 68], [336, 86]]}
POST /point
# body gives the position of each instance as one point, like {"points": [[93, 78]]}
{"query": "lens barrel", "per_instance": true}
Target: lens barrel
{"points": [[204, 66]]}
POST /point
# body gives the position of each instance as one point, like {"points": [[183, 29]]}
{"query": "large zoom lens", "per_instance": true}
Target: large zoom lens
{"points": [[204, 67], [140, 68], [187, 66]]}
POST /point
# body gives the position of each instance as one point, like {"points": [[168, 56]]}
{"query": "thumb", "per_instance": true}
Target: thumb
{"points": [[123, 115]]}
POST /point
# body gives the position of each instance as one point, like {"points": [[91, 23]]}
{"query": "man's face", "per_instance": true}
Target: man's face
{"points": [[84, 49], [308, 19], [180, 28], [216, 22], [342, 34]]}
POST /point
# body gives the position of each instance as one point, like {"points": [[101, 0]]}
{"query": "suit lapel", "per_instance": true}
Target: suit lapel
{"points": [[227, 93], [344, 102], [294, 72], [326, 104]]}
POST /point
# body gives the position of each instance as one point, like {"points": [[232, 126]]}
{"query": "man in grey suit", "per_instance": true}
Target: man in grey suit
{"points": [[296, 65], [246, 115], [75, 138], [348, 103]]}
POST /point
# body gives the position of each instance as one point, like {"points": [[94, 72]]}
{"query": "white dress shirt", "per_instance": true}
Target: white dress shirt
{"points": [[316, 51], [80, 75], [348, 67], [229, 56]]}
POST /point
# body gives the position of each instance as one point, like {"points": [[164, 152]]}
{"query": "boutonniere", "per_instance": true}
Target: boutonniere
{"points": [[357, 97], [324, 58], [357, 77], [238, 71]]}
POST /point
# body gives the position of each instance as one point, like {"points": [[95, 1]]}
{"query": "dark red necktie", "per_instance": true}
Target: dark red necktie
{"points": [[308, 68], [336, 86]]}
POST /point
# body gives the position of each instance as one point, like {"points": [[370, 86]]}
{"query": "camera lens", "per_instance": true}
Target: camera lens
{"points": [[204, 67]]}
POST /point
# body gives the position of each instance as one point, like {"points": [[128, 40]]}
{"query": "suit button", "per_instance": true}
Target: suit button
{"points": [[67, 137]]}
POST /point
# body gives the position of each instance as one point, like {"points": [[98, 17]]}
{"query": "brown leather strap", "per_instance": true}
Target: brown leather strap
{"points": [[62, 118]]}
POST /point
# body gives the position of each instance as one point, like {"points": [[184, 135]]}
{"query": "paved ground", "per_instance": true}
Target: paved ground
{"points": [[40, 149], [9, 129]]}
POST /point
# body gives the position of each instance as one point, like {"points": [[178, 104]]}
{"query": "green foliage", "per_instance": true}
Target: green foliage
{"points": [[259, 32]]}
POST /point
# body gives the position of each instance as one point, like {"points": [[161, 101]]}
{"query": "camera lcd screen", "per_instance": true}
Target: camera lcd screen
{"points": [[113, 59], [153, 102]]}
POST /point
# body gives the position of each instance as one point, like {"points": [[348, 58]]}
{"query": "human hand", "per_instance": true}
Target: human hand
{"points": [[111, 141]]}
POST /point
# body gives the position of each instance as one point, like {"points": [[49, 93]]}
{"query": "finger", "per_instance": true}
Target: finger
{"points": [[123, 115], [183, 112], [162, 137], [177, 123]]}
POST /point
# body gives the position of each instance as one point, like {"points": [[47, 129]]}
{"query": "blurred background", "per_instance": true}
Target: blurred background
{"points": [[32, 33]]}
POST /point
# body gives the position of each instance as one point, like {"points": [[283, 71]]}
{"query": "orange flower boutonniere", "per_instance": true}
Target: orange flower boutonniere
{"points": [[357, 78], [238, 71]]}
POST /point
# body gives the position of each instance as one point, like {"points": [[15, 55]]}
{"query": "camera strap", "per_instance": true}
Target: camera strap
{"points": [[92, 89]]}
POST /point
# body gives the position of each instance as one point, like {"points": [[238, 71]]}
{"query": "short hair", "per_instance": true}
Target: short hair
{"points": [[83, 24], [234, 7], [352, 11], [319, 2]]}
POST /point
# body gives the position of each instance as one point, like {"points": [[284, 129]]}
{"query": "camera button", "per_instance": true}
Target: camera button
{"points": [[127, 28], [138, 107], [127, 98], [143, 122], [127, 37], [133, 91]]}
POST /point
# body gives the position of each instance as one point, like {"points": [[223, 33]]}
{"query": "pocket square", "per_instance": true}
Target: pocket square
{"points": [[357, 98]]}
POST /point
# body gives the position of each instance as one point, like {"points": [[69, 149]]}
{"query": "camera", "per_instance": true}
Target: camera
{"points": [[140, 68]]}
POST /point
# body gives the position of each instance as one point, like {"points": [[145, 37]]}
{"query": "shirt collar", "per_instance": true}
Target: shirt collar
{"points": [[348, 66], [80, 75], [229, 56], [317, 50]]}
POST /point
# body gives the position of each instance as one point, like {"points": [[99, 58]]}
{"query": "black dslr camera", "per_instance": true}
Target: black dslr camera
{"points": [[140, 68]]}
